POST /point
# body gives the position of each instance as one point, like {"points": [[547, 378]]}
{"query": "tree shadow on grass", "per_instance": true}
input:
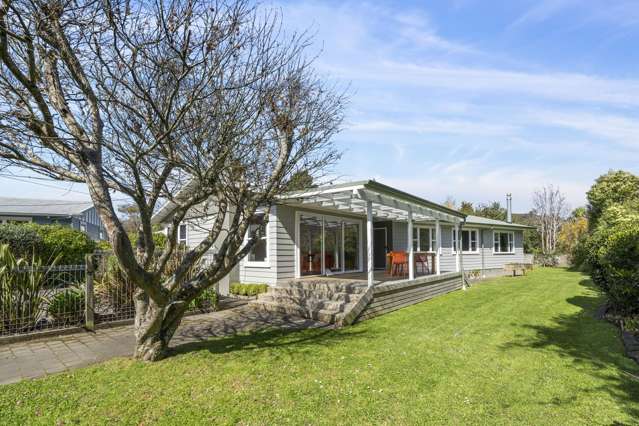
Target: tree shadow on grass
{"points": [[248, 329], [590, 343]]}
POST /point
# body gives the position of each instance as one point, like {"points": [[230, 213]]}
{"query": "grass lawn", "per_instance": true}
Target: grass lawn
{"points": [[511, 350]]}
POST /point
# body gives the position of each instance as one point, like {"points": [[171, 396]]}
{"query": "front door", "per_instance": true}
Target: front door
{"points": [[379, 248]]}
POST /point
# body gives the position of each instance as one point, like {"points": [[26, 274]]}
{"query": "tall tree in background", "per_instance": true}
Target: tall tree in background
{"points": [[549, 207], [466, 207], [202, 98], [492, 210], [615, 187]]}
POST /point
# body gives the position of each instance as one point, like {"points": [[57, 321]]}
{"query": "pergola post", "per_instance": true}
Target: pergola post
{"points": [[457, 247], [438, 246], [411, 250], [369, 242]]}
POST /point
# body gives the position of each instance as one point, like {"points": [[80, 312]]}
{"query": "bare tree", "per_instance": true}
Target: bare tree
{"points": [[550, 209], [199, 103]]}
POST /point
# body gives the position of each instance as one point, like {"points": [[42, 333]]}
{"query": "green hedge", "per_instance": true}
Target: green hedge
{"points": [[613, 257], [248, 289], [46, 242]]}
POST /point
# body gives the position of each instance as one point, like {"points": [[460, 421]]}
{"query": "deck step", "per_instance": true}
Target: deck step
{"points": [[326, 300]]}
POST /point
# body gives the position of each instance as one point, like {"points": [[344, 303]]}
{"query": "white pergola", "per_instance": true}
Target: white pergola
{"points": [[382, 202]]}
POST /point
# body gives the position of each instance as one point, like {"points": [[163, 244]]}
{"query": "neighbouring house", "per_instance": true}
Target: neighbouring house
{"points": [[80, 215], [353, 233]]}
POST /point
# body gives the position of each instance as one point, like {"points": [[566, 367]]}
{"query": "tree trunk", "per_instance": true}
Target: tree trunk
{"points": [[154, 327]]}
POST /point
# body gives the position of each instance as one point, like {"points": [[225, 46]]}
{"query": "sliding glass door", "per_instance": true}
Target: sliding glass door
{"points": [[328, 245]]}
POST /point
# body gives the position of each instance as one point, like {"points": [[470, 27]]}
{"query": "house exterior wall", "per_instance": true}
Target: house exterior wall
{"points": [[88, 222], [281, 235], [281, 239]]}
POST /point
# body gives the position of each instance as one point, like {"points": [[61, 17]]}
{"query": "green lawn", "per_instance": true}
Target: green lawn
{"points": [[511, 350]]}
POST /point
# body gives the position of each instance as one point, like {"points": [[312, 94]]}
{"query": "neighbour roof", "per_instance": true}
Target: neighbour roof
{"points": [[39, 207], [478, 220]]}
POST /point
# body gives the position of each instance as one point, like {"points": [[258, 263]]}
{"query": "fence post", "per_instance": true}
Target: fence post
{"points": [[89, 296]]}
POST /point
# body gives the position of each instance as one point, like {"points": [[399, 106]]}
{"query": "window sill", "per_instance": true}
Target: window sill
{"points": [[504, 253], [254, 264]]}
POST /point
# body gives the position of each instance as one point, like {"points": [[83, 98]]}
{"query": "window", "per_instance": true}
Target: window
{"points": [[424, 239], [182, 234], [469, 241], [503, 242], [259, 251]]}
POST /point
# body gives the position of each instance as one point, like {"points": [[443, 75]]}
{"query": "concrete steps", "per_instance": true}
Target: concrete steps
{"points": [[326, 300]]}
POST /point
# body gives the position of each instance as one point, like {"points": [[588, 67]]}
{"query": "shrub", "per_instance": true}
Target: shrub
{"points": [[248, 289], [67, 306], [23, 240], [112, 287], [205, 301], [72, 245], [613, 258], [45, 242], [23, 291], [546, 259]]}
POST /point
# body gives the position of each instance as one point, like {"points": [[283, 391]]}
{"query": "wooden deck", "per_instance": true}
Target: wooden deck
{"points": [[379, 277]]}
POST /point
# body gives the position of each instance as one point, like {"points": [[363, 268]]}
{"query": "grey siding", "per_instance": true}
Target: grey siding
{"points": [[486, 259]]}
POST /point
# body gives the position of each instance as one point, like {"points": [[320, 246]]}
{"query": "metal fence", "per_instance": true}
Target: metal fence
{"points": [[33, 299]]}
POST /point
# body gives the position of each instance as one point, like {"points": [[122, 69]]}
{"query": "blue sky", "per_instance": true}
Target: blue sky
{"points": [[473, 99]]}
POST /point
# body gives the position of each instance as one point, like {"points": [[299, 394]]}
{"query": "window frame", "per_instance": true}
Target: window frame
{"points": [[186, 234], [432, 238], [454, 241], [511, 240], [266, 263]]}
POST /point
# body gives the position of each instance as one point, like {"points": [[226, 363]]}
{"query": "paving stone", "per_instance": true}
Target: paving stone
{"points": [[19, 361]]}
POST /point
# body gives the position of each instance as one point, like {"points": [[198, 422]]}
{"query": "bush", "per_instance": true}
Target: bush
{"points": [[46, 242], [205, 301], [68, 306], [23, 291], [23, 240], [112, 288], [248, 289], [546, 259], [613, 258], [72, 245]]}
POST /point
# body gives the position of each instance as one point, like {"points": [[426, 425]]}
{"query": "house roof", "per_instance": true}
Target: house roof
{"points": [[484, 221], [10, 206]]}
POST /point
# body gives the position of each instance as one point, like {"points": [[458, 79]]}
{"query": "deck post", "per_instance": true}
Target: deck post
{"points": [[411, 250], [369, 243], [438, 246], [457, 246]]}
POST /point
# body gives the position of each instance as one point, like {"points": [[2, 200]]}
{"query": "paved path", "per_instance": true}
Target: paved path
{"points": [[37, 358]]}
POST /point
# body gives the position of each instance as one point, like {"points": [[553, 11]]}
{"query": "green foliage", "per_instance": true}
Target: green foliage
{"points": [[70, 244], [248, 289], [23, 240], [466, 207], [158, 238], [299, 181], [613, 257], [492, 210], [207, 301], [23, 291], [68, 306], [571, 233], [615, 187], [47, 242], [112, 286]]}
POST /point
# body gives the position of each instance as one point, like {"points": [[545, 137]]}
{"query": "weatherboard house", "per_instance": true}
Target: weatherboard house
{"points": [[80, 215], [354, 250]]}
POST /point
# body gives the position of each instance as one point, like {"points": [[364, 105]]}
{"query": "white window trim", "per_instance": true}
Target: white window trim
{"points": [[503, 252], [453, 243], [266, 263], [186, 234], [433, 238], [299, 213]]}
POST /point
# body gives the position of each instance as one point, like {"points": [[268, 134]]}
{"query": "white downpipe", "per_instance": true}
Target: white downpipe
{"points": [[369, 242], [411, 252], [457, 265], [438, 244]]}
